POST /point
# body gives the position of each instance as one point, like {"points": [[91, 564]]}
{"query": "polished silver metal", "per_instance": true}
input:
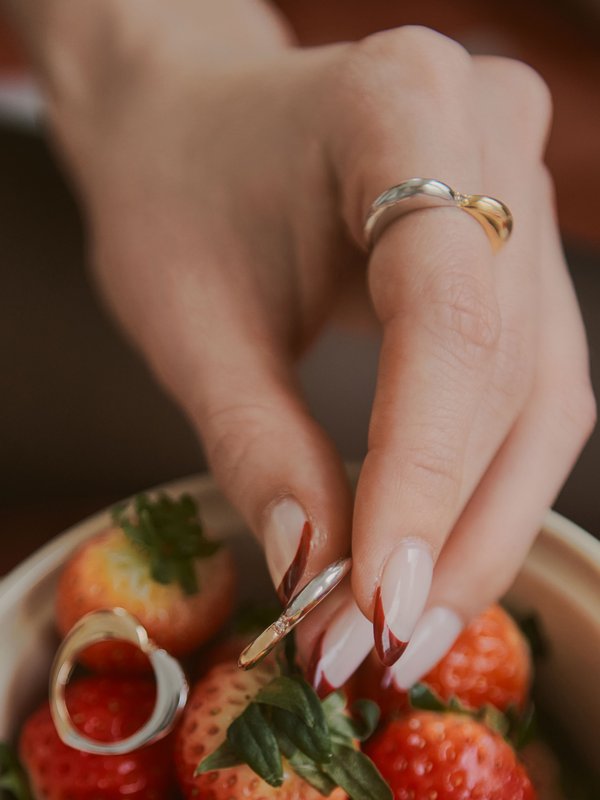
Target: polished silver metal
{"points": [[299, 606], [171, 685], [416, 194]]}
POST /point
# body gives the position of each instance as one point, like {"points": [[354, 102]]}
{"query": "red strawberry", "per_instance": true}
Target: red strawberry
{"points": [[431, 756], [106, 709], [215, 702], [266, 734], [489, 663], [160, 568]]}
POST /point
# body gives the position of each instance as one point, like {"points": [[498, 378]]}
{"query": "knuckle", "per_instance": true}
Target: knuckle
{"points": [[464, 314], [529, 97], [231, 433], [432, 470], [429, 471], [415, 54], [429, 71]]}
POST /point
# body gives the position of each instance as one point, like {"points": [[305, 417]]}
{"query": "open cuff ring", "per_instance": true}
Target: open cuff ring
{"points": [[416, 194], [171, 685]]}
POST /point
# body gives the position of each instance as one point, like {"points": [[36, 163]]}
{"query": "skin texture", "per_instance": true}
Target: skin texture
{"points": [[226, 176]]}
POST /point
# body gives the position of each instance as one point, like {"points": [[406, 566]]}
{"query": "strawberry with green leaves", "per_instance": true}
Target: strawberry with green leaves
{"points": [[488, 664], [262, 735], [107, 709], [156, 563], [431, 755]]}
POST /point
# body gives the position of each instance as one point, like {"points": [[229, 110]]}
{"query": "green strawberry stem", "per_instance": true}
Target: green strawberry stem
{"points": [[12, 775], [169, 534], [287, 718]]}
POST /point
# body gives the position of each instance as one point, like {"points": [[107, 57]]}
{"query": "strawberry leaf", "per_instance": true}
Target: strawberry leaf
{"points": [[169, 533], [311, 741], [494, 719], [424, 699], [362, 723], [254, 741], [287, 747], [365, 715], [357, 775], [316, 737], [223, 757], [12, 775], [523, 726], [293, 695], [312, 773]]}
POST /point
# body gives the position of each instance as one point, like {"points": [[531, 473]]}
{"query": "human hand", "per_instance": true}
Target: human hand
{"points": [[226, 197]]}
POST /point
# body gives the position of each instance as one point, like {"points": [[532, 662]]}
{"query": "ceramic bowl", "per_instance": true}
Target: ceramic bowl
{"points": [[560, 582]]}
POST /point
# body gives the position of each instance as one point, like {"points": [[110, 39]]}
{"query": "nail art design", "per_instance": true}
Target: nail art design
{"points": [[389, 647], [340, 649], [433, 636], [289, 582], [287, 538], [400, 598]]}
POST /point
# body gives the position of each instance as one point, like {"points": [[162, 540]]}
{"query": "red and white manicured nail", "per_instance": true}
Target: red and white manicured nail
{"points": [[400, 598], [433, 636], [340, 649], [287, 537]]}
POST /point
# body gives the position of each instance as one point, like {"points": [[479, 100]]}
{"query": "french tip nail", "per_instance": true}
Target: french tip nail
{"points": [[400, 598], [434, 634], [387, 646], [340, 649], [316, 673], [293, 574], [287, 538]]}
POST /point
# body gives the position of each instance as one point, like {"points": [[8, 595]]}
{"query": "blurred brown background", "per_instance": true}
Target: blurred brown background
{"points": [[81, 421]]}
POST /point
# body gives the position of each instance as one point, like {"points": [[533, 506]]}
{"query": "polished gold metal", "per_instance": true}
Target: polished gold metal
{"points": [[171, 685], [299, 606], [417, 194]]}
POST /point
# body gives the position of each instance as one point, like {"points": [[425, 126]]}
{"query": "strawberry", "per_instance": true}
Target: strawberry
{"points": [[157, 564], [489, 664], [426, 755], [237, 725], [106, 709]]}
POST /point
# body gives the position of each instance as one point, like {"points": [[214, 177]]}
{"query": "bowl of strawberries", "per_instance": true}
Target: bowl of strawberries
{"points": [[510, 713]]}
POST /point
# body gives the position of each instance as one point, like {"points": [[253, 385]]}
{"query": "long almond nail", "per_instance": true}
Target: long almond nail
{"points": [[432, 637], [340, 649], [287, 539], [400, 598]]}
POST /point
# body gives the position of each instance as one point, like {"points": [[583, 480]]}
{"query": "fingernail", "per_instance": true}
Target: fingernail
{"points": [[400, 598], [340, 649], [287, 539], [433, 636]]}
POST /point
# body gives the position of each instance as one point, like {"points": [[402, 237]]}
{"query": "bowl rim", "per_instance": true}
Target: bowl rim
{"points": [[581, 544]]}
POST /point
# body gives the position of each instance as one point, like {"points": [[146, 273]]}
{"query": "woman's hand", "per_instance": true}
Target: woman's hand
{"points": [[226, 187]]}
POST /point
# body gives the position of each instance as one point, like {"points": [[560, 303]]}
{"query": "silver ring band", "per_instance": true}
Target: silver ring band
{"points": [[416, 194], [171, 685]]}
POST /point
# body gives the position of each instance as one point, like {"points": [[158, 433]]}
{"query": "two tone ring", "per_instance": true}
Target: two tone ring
{"points": [[416, 194]]}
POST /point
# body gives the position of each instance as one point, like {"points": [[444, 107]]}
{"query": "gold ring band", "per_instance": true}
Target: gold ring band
{"points": [[420, 193]]}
